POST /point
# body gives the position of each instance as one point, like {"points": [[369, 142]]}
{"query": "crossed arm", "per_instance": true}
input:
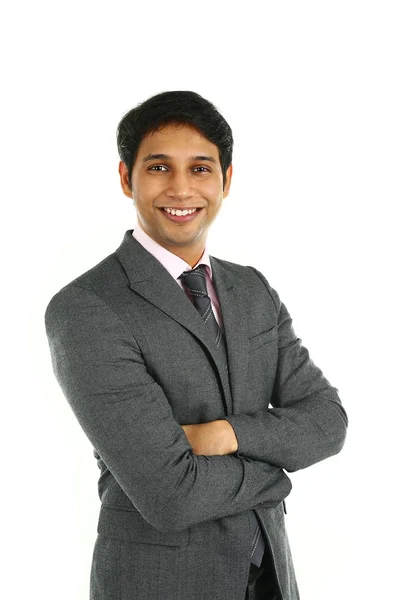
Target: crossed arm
{"points": [[126, 416], [306, 424]]}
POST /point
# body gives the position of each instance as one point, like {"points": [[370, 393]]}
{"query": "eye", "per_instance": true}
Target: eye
{"points": [[202, 167], [157, 167]]}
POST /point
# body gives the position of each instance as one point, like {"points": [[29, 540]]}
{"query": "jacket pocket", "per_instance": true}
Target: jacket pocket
{"points": [[262, 338], [130, 525]]}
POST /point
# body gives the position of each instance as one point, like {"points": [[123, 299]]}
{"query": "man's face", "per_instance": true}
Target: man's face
{"points": [[187, 176]]}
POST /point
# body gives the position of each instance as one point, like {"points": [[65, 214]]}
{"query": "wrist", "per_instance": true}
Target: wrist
{"points": [[231, 443]]}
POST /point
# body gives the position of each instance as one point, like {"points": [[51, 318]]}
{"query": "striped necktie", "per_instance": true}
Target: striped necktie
{"points": [[195, 281]]}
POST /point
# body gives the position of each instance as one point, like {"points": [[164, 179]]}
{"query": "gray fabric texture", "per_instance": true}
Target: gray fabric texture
{"points": [[135, 362], [195, 282]]}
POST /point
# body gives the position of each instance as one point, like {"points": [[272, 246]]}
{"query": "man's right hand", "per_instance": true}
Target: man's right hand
{"points": [[212, 438]]}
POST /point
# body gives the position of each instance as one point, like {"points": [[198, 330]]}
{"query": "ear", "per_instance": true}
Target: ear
{"points": [[123, 174], [228, 180]]}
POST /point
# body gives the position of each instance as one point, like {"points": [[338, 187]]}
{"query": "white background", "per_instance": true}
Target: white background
{"points": [[311, 91]]}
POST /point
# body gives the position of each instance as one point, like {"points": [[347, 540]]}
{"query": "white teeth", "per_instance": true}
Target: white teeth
{"points": [[180, 213]]}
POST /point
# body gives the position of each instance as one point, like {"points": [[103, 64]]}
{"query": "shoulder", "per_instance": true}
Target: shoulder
{"points": [[97, 282], [247, 276]]}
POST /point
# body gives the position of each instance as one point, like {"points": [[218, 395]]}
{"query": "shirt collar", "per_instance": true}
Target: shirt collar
{"points": [[173, 263]]}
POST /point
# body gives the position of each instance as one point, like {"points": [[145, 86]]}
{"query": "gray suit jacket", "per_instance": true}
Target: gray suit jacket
{"points": [[135, 362]]}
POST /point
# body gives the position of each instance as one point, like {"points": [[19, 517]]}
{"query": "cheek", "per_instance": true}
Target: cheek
{"points": [[146, 192], [211, 190]]}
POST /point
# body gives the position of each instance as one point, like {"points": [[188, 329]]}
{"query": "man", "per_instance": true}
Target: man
{"points": [[170, 358]]}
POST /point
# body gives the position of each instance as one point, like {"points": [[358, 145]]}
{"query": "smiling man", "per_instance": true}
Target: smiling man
{"points": [[178, 186], [186, 375]]}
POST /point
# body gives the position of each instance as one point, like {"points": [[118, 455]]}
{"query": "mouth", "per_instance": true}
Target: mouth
{"points": [[179, 218]]}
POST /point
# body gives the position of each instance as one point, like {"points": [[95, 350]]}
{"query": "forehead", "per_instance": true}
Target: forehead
{"points": [[177, 140]]}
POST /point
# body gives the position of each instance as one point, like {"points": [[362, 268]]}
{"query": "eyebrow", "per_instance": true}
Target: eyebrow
{"points": [[167, 157]]}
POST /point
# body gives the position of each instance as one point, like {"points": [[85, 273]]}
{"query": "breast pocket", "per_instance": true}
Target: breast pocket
{"points": [[262, 338]]}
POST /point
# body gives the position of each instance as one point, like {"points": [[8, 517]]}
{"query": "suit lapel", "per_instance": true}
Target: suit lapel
{"points": [[149, 278], [233, 309]]}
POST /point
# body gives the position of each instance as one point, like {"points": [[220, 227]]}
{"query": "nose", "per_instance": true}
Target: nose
{"points": [[180, 186]]}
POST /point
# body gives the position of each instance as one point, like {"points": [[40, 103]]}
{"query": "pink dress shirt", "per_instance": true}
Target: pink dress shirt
{"points": [[176, 265]]}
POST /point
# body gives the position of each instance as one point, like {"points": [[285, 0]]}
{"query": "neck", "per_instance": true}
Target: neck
{"points": [[190, 256], [191, 253]]}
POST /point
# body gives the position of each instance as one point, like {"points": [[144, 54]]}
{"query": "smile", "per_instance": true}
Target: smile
{"points": [[181, 216], [180, 213]]}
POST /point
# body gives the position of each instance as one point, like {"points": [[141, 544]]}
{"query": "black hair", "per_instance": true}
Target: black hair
{"points": [[181, 107]]}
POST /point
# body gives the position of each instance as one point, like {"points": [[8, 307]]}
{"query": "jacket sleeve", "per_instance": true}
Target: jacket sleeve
{"points": [[307, 422], [127, 418]]}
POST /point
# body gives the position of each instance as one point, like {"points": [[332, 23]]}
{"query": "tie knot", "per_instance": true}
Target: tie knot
{"points": [[195, 280]]}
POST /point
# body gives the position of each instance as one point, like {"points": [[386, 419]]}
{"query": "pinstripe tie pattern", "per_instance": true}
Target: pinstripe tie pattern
{"points": [[195, 281]]}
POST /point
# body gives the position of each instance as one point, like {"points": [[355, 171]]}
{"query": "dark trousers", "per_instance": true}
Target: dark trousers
{"points": [[262, 584]]}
